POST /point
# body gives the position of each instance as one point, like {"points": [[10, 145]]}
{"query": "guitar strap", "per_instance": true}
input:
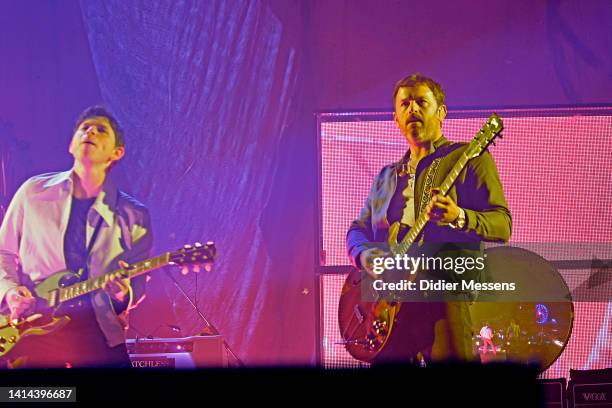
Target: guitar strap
{"points": [[96, 231], [94, 236], [430, 176], [432, 170]]}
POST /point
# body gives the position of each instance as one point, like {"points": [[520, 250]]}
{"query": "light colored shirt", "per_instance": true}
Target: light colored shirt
{"points": [[32, 239], [408, 194], [486, 333], [408, 215]]}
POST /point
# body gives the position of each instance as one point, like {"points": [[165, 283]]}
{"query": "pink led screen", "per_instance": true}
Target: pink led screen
{"points": [[556, 172], [556, 169]]}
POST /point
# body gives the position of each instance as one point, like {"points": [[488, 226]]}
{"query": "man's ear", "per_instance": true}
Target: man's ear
{"points": [[395, 117], [441, 113], [118, 153]]}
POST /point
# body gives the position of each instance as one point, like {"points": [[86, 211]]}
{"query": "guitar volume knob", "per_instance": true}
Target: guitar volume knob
{"points": [[372, 342], [380, 326]]}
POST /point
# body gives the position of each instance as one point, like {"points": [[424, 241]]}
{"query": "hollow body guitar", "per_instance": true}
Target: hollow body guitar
{"points": [[366, 326], [64, 293]]}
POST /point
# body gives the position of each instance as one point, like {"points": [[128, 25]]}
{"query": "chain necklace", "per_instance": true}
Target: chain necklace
{"points": [[407, 169]]}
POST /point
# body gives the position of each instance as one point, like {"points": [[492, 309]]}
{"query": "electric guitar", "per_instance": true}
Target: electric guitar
{"points": [[58, 295], [366, 327]]}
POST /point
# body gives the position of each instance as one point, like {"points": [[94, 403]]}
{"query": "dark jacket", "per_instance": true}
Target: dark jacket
{"points": [[477, 190]]}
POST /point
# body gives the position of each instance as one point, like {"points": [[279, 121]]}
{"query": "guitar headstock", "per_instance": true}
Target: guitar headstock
{"points": [[195, 255], [487, 134]]}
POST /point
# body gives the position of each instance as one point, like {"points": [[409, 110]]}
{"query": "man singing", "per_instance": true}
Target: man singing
{"points": [[76, 220], [474, 210]]}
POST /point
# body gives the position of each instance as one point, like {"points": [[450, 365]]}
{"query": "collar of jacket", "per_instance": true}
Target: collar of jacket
{"points": [[440, 142], [61, 185]]}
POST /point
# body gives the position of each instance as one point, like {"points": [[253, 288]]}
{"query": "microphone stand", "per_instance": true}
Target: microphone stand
{"points": [[209, 324]]}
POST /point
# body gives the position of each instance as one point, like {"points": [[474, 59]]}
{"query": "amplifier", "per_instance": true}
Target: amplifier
{"points": [[553, 391], [591, 395], [590, 388], [182, 353]]}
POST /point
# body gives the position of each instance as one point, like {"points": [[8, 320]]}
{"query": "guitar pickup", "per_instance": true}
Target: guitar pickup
{"points": [[358, 313]]}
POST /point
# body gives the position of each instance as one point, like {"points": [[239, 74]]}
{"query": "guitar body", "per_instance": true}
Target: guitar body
{"points": [[44, 319], [365, 326], [369, 321]]}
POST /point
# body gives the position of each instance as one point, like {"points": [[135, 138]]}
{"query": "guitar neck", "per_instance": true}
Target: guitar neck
{"points": [[90, 285], [403, 247]]}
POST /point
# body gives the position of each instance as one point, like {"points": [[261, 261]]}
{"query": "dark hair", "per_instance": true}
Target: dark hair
{"points": [[101, 111], [418, 79]]}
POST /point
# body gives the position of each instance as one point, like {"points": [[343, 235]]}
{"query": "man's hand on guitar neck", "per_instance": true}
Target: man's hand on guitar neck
{"points": [[442, 208], [117, 288], [20, 301]]}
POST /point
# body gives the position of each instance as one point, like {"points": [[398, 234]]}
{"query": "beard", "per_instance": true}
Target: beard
{"points": [[420, 134]]}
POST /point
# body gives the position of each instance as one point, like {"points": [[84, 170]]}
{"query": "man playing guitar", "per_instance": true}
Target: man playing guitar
{"points": [[474, 210], [76, 220]]}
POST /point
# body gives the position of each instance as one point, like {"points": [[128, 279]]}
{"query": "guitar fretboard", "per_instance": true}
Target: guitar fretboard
{"points": [[92, 284], [403, 247]]}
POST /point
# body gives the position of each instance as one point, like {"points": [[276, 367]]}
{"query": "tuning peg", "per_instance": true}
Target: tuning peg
{"points": [[187, 246], [208, 266], [500, 136], [493, 141], [198, 245], [196, 268], [184, 269]]}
